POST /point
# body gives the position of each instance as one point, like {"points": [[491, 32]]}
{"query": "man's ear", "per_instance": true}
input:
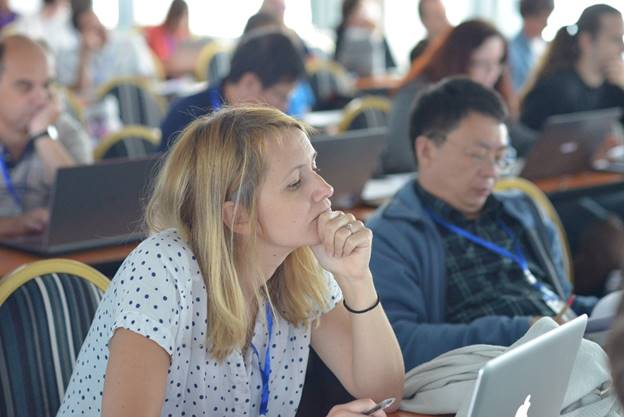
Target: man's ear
{"points": [[424, 150], [236, 218]]}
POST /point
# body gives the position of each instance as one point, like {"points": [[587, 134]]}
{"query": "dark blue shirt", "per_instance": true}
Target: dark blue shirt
{"points": [[187, 109]]}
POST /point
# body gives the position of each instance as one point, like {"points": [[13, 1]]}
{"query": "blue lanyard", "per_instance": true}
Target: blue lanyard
{"points": [[9, 183], [215, 99], [517, 256], [265, 369]]}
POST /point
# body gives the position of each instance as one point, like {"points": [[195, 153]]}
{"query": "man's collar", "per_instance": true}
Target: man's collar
{"points": [[446, 211]]}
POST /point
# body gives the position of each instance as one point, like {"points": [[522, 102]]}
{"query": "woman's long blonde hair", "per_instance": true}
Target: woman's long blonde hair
{"points": [[219, 158]]}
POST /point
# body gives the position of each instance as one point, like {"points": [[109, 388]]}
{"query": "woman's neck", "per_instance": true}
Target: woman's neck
{"points": [[589, 73], [255, 269]]}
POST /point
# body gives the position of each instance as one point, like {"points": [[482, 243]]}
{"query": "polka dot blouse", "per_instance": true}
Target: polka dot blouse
{"points": [[159, 293]]}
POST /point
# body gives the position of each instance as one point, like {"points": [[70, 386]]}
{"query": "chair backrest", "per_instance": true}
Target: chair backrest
{"points": [[128, 142], [213, 62], [365, 113], [72, 104], [546, 207], [46, 309], [329, 81], [138, 103]]}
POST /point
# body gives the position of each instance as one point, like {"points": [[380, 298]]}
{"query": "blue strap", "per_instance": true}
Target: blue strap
{"points": [[215, 99], [517, 256], [265, 370], [9, 183]]}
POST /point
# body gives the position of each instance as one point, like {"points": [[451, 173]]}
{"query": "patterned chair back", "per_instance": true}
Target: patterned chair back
{"points": [[543, 203], [128, 142], [365, 113], [137, 103], [213, 62], [330, 83], [44, 318]]}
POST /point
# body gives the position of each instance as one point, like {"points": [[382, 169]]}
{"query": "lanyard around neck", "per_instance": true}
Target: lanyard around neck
{"points": [[516, 256], [215, 99], [265, 370], [8, 182]]}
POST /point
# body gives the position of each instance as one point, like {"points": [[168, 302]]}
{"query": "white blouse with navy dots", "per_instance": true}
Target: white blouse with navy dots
{"points": [[159, 293]]}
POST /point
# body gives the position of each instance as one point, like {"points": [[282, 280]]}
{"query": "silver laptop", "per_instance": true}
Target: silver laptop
{"points": [[568, 143], [93, 206], [347, 160], [531, 379]]}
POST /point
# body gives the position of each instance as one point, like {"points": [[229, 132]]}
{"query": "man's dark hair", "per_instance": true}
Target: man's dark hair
{"points": [[78, 8], [535, 7], [269, 54], [261, 20], [440, 109]]}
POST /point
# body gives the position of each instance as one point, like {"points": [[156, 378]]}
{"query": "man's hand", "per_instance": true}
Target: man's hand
{"points": [[31, 222], [47, 115], [354, 409], [615, 73]]}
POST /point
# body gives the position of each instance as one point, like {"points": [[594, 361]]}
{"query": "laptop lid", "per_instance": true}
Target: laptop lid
{"points": [[94, 205], [531, 379], [568, 143], [347, 160]]}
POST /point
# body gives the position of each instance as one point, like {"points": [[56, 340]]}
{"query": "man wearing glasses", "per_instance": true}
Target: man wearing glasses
{"points": [[454, 263]]}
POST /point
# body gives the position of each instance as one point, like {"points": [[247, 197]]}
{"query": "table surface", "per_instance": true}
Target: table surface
{"points": [[11, 259]]}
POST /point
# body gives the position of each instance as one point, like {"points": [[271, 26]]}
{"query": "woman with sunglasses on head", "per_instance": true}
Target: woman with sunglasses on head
{"points": [[245, 268]]}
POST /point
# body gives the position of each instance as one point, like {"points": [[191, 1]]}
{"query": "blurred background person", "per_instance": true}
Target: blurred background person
{"points": [[101, 55], [432, 14], [266, 67], [302, 97], [165, 38], [474, 48], [361, 46], [582, 69], [275, 8], [51, 24], [528, 45], [7, 16], [36, 136]]}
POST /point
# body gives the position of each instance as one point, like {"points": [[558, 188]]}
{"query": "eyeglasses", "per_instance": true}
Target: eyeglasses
{"points": [[503, 159]]}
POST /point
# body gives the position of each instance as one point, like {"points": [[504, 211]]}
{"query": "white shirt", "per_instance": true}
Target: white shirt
{"points": [[159, 293], [125, 54], [55, 30]]}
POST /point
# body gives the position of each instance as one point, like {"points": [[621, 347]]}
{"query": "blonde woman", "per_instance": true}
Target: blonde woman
{"points": [[214, 313]]}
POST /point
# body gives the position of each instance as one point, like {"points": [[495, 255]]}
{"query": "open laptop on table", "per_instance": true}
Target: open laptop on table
{"points": [[532, 378], [568, 143], [93, 206], [347, 160]]}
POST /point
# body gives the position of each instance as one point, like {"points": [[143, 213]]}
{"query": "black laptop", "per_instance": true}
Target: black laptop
{"points": [[568, 143], [93, 206], [347, 160]]}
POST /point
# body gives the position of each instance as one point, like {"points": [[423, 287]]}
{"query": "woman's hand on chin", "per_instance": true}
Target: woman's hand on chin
{"points": [[345, 246]]}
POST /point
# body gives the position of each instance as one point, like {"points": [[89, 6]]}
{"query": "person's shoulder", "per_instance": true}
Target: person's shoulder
{"points": [[167, 240], [404, 206], [200, 100], [559, 79], [164, 247]]}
